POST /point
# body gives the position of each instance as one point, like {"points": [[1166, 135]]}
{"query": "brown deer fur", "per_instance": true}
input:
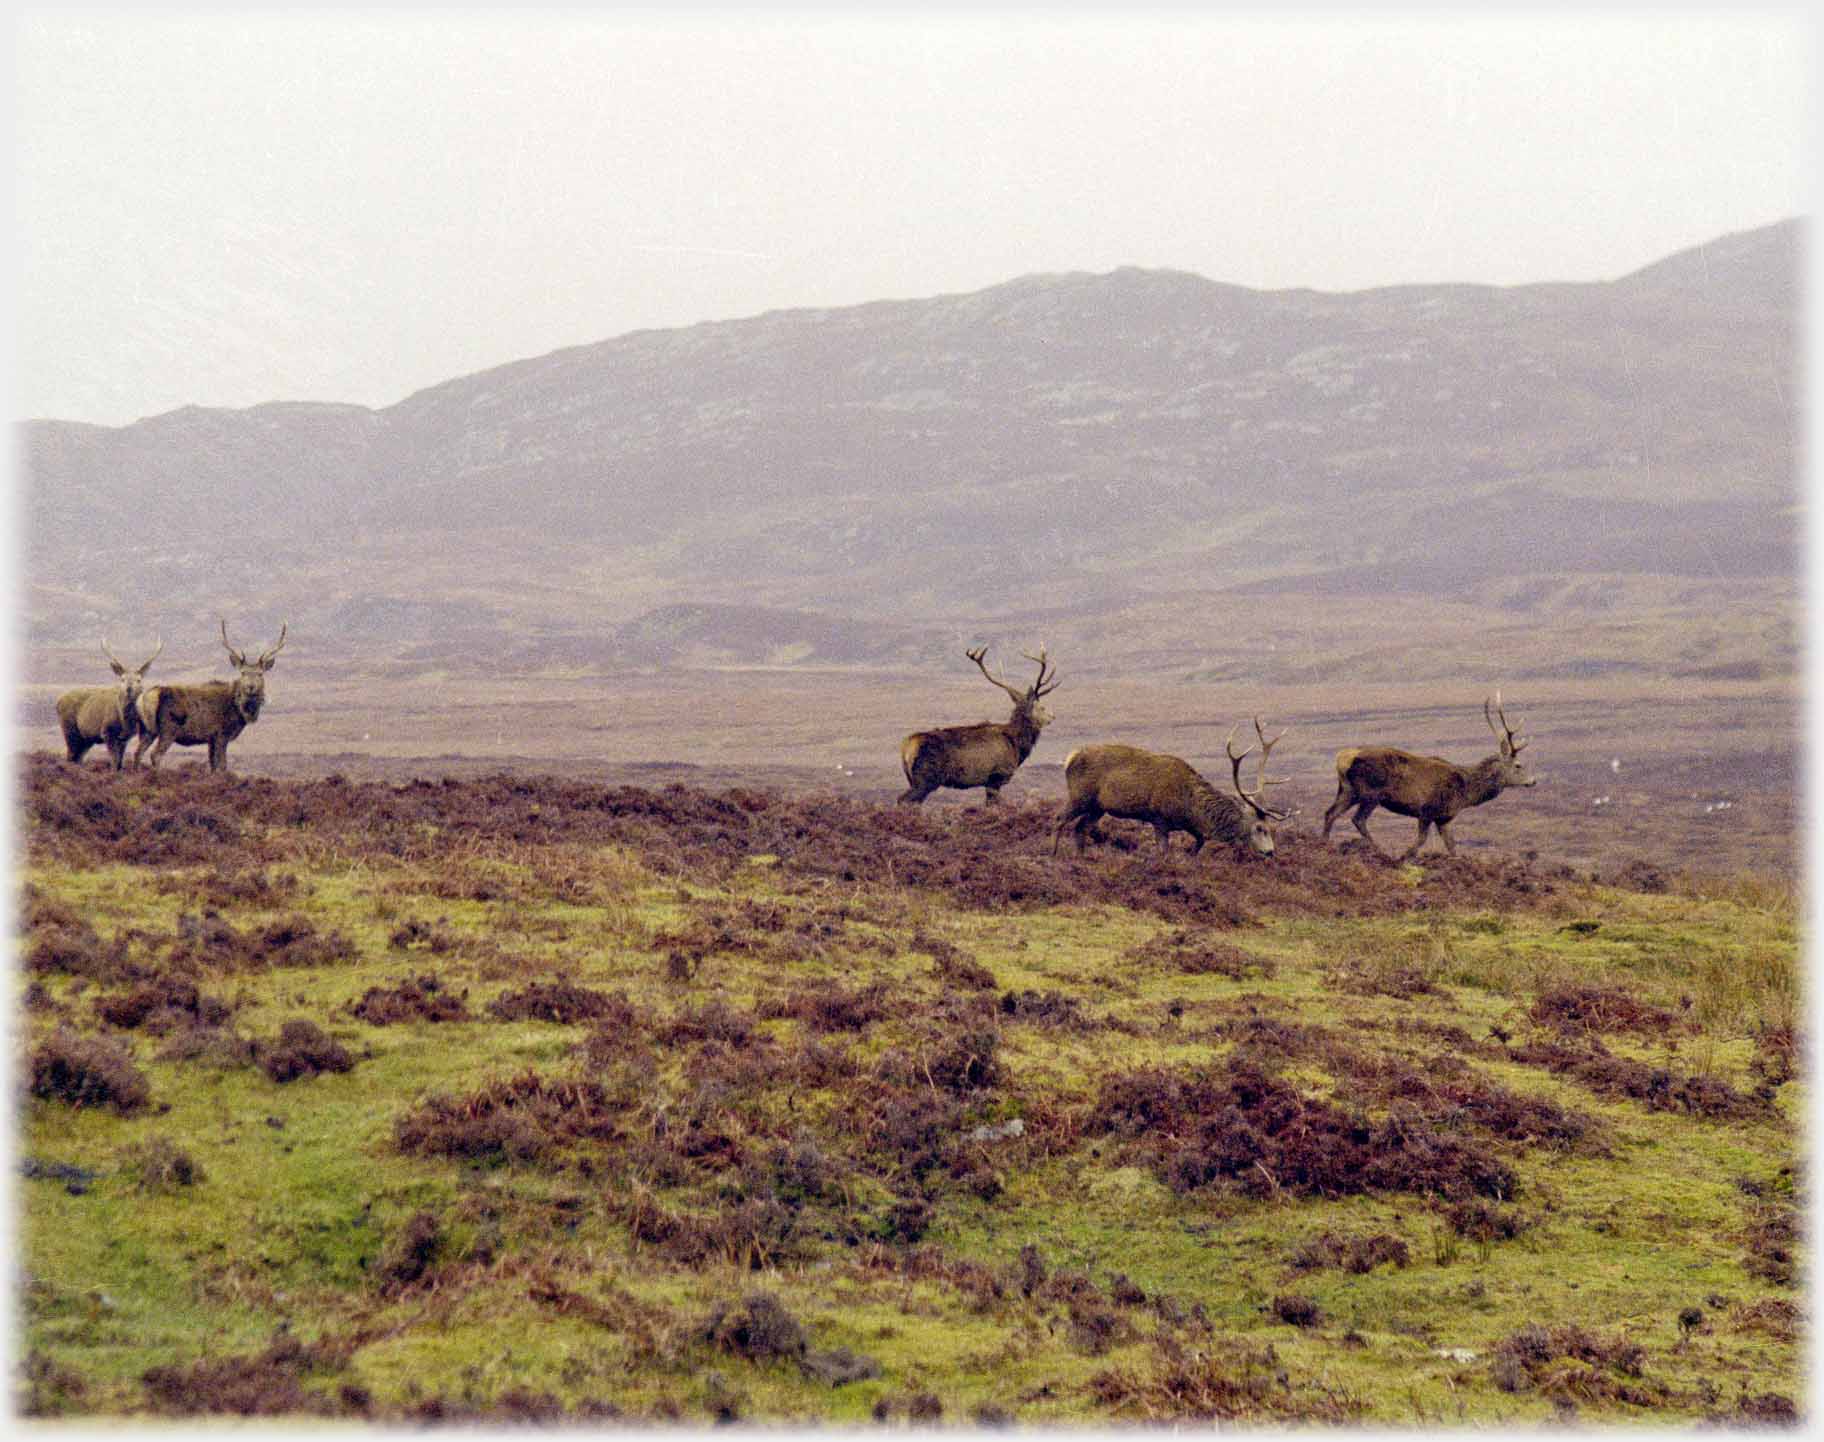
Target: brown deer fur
{"points": [[1427, 788], [208, 713], [985, 754], [1165, 792], [105, 714]]}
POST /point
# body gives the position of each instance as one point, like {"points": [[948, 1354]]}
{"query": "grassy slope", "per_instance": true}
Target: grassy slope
{"points": [[819, 1001]]}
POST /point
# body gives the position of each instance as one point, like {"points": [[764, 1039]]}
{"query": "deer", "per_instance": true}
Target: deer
{"points": [[206, 713], [1166, 792], [105, 714], [1428, 788], [985, 754]]}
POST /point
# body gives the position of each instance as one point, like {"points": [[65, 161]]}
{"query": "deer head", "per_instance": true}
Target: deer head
{"points": [[1508, 770], [1260, 829], [132, 678], [1024, 702], [250, 677]]}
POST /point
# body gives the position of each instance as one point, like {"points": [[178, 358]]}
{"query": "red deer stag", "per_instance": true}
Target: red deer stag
{"points": [[206, 713], [985, 754], [1426, 787], [1166, 792], [105, 714]]}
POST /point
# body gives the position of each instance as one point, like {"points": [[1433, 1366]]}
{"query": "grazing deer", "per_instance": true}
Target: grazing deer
{"points": [[1166, 792], [105, 714], [985, 754], [206, 713], [1426, 787]]}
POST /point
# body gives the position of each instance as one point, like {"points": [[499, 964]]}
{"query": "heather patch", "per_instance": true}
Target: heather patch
{"points": [[1598, 1009], [86, 1072], [421, 998], [268, 1384], [1593, 1065], [162, 1006], [525, 1118], [301, 1049], [1245, 1128]]}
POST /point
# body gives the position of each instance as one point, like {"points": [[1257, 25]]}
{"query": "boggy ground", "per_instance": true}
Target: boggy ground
{"points": [[518, 1098]]}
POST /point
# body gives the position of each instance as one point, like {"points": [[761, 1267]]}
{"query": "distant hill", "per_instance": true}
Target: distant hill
{"points": [[1059, 451]]}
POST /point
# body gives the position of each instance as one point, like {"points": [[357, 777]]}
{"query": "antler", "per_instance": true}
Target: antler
{"points": [[1044, 685], [141, 668], [1253, 797], [976, 655], [266, 656], [235, 657], [1504, 734], [1039, 687]]}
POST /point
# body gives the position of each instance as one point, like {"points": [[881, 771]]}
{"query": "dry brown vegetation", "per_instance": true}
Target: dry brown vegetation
{"points": [[754, 1038], [999, 860]]}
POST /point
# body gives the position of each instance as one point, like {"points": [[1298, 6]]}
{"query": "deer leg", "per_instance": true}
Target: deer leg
{"points": [[218, 754], [1086, 828], [1424, 828], [117, 752], [76, 745], [1165, 835], [1450, 846], [993, 797], [158, 751], [1072, 815], [913, 795], [1337, 808], [1360, 822]]}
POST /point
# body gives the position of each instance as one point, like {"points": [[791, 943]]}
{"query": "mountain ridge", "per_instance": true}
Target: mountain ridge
{"points": [[1052, 441]]}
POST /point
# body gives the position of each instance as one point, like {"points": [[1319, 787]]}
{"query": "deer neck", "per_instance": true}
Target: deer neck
{"points": [[1482, 782], [1022, 731], [1219, 817]]}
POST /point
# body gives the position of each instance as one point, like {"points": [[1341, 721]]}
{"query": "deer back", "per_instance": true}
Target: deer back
{"points": [[1149, 786], [193, 713], [965, 755], [91, 709], [1404, 782], [1125, 780]]}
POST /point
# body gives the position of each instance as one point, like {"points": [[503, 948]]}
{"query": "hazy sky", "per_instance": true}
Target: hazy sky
{"points": [[225, 209]]}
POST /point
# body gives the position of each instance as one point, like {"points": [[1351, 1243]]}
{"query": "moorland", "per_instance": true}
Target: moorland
{"points": [[479, 1085]]}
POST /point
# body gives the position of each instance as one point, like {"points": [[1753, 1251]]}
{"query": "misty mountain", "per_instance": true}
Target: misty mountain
{"points": [[877, 476]]}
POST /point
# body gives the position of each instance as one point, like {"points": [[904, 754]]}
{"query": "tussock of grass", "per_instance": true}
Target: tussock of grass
{"points": [[83, 1071]]}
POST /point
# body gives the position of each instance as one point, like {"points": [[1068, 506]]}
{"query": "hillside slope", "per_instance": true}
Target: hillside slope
{"points": [[1063, 445]]}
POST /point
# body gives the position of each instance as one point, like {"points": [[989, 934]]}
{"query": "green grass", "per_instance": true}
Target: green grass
{"points": [[303, 1187]]}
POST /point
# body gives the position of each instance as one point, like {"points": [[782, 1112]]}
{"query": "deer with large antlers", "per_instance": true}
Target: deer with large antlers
{"points": [[207, 713], [985, 754], [1428, 788], [105, 714], [1168, 794]]}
